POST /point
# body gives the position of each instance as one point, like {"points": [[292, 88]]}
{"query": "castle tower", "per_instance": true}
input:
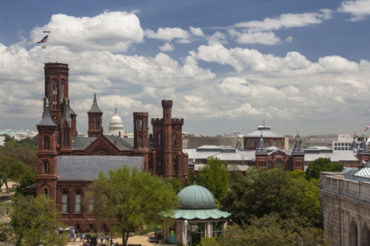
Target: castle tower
{"points": [[140, 130], [56, 88], [47, 153], [298, 154], [261, 154], [168, 160], [95, 116]]}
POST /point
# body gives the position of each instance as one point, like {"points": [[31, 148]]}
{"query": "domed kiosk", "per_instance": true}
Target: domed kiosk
{"points": [[116, 126], [197, 217]]}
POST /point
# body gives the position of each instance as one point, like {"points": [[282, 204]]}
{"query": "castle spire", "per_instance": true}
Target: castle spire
{"points": [[94, 107], [46, 118], [261, 146]]}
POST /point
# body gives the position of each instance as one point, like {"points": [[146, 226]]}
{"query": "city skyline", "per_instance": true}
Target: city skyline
{"points": [[228, 65]]}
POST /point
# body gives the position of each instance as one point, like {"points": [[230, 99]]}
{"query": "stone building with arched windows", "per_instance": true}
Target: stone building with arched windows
{"points": [[345, 204]]}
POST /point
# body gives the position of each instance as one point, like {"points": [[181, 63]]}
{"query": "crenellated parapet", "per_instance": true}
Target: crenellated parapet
{"points": [[177, 121]]}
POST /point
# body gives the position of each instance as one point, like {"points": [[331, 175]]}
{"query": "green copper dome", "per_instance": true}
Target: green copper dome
{"points": [[196, 197]]}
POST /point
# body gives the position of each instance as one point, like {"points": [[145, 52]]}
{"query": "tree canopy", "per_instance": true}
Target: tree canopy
{"points": [[32, 221], [214, 176], [132, 198], [271, 230], [262, 192], [320, 165], [10, 169]]}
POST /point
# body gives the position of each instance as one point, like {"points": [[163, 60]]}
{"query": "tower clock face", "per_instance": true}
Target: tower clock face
{"points": [[278, 163]]}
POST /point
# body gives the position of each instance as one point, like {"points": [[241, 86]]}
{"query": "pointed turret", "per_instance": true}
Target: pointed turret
{"points": [[260, 150], [46, 117], [95, 120], [298, 149], [94, 107], [364, 149]]}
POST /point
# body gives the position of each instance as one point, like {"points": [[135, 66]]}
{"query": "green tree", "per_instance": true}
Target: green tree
{"points": [[132, 199], [214, 176], [10, 169], [33, 221], [262, 192], [320, 165], [271, 230]]}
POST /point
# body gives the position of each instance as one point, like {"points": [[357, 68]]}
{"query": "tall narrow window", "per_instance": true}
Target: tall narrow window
{"points": [[65, 201], [46, 142], [91, 205], [46, 192], [174, 138], [66, 137], [55, 93], [97, 124], [61, 94], [159, 139], [78, 201], [46, 166], [141, 124]]}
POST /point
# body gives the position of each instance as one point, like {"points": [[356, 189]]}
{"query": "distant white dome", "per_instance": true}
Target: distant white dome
{"points": [[116, 126]]}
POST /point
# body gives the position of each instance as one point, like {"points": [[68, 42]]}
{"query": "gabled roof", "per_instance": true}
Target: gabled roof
{"points": [[81, 143], [94, 107], [87, 168]]}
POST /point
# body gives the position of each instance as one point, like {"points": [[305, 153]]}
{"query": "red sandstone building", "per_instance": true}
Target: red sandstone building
{"points": [[68, 163]]}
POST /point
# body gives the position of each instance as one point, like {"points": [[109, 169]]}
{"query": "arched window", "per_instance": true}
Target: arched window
{"points": [[141, 124], [78, 201], [174, 139], [365, 236], [55, 93], [46, 142], [159, 139], [64, 201], [46, 192], [46, 166], [97, 124]]}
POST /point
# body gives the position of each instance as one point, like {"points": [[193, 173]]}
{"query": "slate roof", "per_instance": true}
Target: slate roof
{"points": [[94, 107], [46, 119], [87, 168], [81, 143]]}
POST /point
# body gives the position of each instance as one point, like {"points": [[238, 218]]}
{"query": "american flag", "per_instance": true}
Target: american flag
{"points": [[43, 40], [367, 127]]}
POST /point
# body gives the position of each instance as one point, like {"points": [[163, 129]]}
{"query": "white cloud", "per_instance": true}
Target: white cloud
{"points": [[113, 31], [197, 31], [168, 34], [167, 47], [338, 64], [287, 21], [359, 9], [254, 37]]}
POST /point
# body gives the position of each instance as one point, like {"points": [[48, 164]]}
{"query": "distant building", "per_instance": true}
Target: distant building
{"points": [[346, 142], [270, 138], [192, 142], [345, 204], [18, 134], [2, 140], [116, 126]]}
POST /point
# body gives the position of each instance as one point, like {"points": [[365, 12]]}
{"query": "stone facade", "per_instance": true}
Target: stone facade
{"points": [[345, 205], [58, 137]]}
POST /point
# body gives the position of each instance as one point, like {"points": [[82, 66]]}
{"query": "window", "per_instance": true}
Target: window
{"points": [[159, 139], [66, 137], [174, 138], [91, 205], [55, 93], [46, 192], [251, 143], [46, 142], [141, 124], [61, 95], [97, 124], [298, 164], [273, 142], [78, 201], [175, 167], [65, 201], [46, 166]]}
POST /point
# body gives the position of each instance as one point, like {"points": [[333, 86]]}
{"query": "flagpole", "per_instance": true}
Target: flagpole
{"points": [[49, 41]]}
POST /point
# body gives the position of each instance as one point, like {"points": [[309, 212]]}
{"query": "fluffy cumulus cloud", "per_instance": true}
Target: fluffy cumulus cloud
{"points": [[289, 20], [359, 9], [113, 31], [168, 34], [215, 82]]}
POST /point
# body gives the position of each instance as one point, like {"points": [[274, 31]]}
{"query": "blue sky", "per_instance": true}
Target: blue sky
{"points": [[300, 65]]}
